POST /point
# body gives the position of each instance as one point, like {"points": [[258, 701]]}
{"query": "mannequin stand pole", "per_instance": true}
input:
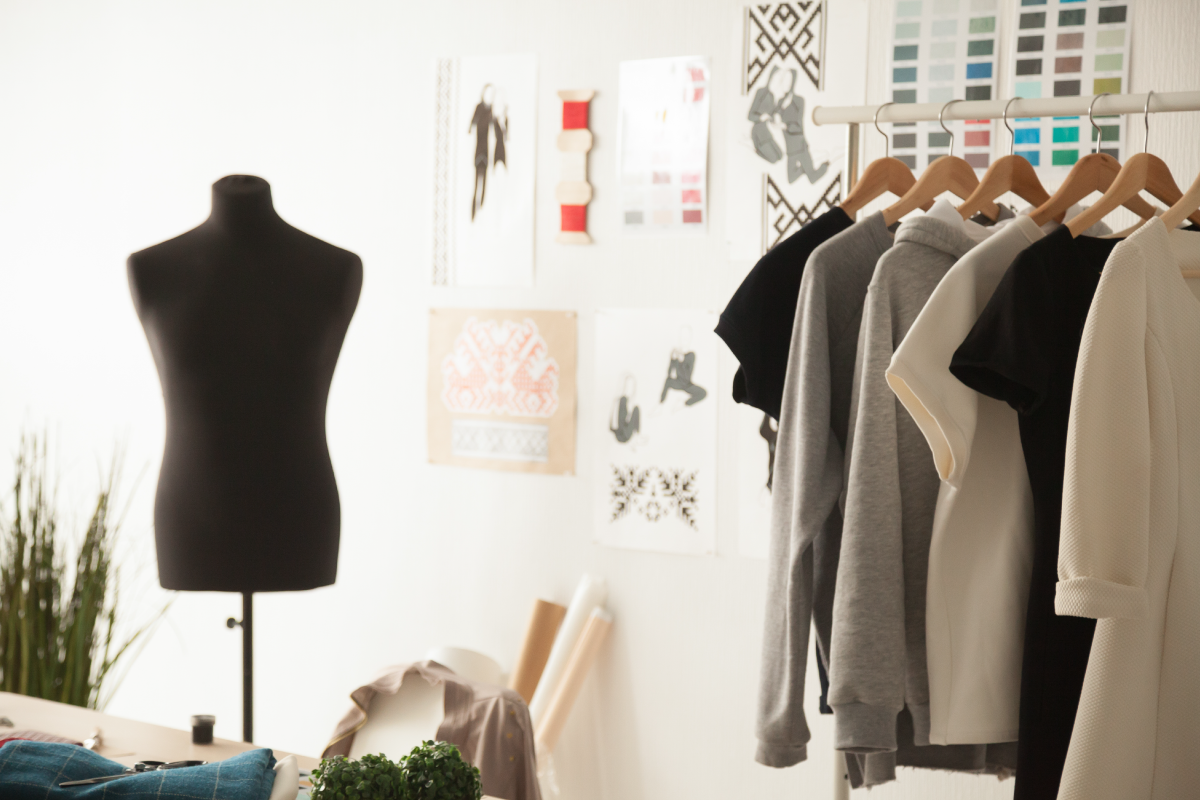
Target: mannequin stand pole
{"points": [[247, 625], [248, 666]]}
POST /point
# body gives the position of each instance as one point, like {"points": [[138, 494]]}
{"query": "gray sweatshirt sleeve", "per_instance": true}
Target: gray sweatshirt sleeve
{"points": [[867, 669], [804, 495]]}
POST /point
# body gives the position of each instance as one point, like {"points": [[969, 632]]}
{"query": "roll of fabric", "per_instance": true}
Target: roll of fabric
{"points": [[580, 664], [544, 623], [590, 594]]}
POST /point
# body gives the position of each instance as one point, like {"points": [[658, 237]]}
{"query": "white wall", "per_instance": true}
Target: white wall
{"points": [[114, 119]]}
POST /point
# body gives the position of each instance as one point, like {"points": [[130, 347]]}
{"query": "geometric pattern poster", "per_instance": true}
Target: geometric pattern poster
{"points": [[501, 389], [782, 170], [655, 466], [484, 160]]}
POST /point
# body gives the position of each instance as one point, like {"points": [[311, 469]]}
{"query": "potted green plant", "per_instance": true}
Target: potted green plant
{"points": [[432, 771], [57, 637], [372, 777], [437, 771]]}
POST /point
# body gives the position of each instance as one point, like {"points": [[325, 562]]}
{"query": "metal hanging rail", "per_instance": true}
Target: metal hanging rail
{"points": [[1023, 107]]}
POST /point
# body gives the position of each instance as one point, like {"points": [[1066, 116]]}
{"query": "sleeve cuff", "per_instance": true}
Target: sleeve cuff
{"points": [[1099, 599], [780, 755], [862, 728]]}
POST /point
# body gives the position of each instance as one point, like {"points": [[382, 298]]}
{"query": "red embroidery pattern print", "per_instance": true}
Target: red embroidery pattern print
{"points": [[500, 368]]}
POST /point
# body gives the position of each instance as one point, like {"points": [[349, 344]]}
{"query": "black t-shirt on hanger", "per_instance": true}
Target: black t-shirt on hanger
{"points": [[1023, 350], [757, 323]]}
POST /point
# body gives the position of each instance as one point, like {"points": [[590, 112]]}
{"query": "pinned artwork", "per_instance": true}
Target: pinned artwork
{"points": [[662, 145], [943, 50], [485, 150], [502, 389], [656, 464], [574, 192], [757, 434], [1067, 50], [783, 170]]}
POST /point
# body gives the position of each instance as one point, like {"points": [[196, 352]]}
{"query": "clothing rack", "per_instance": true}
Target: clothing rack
{"points": [[1106, 105]]}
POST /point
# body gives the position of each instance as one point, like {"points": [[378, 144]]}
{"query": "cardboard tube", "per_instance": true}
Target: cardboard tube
{"points": [[582, 658], [535, 650], [591, 593]]}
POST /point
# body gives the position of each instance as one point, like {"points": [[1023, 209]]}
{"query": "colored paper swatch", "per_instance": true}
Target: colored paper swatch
{"points": [[1068, 48], [943, 50]]}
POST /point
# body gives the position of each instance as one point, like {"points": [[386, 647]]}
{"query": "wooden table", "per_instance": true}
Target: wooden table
{"points": [[124, 740]]}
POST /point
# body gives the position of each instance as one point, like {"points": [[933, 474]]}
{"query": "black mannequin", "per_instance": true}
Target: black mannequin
{"points": [[245, 316]]}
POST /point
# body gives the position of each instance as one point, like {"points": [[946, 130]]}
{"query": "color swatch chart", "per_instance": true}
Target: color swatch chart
{"points": [[943, 50], [1067, 48]]}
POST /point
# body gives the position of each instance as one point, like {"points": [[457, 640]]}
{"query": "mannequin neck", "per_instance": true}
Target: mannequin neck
{"points": [[242, 202]]}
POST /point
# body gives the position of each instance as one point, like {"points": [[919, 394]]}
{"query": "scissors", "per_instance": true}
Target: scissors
{"points": [[139, 767]]}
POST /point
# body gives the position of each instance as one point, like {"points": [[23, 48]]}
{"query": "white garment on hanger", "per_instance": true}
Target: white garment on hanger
{"points": [[1130, 546]]}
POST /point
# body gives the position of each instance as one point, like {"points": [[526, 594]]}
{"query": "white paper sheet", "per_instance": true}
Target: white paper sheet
{"points": [[756, 434], [662, 145], [485, 154], [782, 169], [655, 468]]}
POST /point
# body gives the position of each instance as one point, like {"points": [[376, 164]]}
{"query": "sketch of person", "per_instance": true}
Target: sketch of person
{"points": [[769, 430], [626, 422], [787, 114], [500, 128], [481, 123], [762, 111], [679, 373], [791, 115]]}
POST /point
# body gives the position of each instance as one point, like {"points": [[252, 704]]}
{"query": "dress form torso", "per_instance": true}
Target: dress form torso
{"points": [[245, 316]]}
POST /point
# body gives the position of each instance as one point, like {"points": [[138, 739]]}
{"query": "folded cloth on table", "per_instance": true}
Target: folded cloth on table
{"points": [[31, 770]]}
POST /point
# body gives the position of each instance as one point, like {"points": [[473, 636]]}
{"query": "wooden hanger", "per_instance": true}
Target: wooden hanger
{"points": [[1142, 172], [1094, 172], [1184, 208], [947, 174], [1010, 173], [885, 174]]}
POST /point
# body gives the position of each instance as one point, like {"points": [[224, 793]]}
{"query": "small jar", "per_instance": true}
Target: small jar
{"points": [[202, 728]]}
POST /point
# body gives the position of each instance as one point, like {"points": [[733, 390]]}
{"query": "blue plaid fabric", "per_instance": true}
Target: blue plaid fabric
{"points": [[30, 770]]}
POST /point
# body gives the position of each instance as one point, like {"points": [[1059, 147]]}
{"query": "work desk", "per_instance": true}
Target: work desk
{"points": [[124, 740]]}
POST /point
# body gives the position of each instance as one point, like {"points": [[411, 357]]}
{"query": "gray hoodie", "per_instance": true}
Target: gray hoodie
{"points": [[877, 664]]}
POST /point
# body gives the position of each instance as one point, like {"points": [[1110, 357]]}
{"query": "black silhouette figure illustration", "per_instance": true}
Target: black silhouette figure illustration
{"points": [[769, 430], [500, 129], [626, 420], [679, 374], [481, 123], [787, 114]]}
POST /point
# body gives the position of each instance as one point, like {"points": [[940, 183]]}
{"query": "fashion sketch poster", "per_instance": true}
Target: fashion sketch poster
{"points": [[485, 150], [501, 389], [782, 169], [655, 465]]}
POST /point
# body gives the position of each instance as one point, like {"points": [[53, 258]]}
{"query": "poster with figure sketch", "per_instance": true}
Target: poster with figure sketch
{"points": [[501, 389], [756, 436], [655, 468], [782, 170], [485, 151], [662, 145]]}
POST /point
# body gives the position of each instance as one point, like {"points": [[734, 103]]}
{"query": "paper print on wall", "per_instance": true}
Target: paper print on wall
{"points": [[662, 145], [655, 469], [943, 50], [485, 150], [782, 170], [501, 389], [757, 434], [1067, 49]]}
